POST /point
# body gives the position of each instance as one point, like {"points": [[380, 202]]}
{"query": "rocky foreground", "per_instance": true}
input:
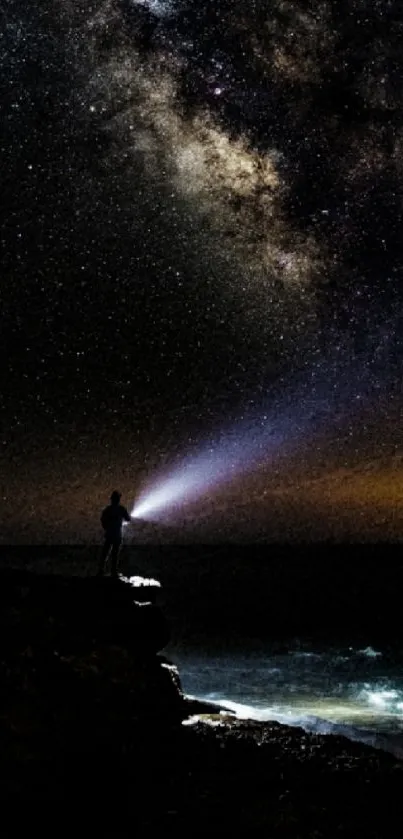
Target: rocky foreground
{"points": [[92, 733]]}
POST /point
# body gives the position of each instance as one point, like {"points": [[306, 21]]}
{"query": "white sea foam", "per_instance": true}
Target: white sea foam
{"points": [[337, 691], [310, 723]]}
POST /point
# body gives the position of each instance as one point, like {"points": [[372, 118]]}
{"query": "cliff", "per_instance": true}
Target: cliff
{"points": [[91, 732]]}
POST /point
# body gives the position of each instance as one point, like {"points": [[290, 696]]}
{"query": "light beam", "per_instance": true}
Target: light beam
{"points": [[326, 398]]}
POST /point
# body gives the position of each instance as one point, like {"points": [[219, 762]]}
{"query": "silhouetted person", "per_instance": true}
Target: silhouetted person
{"points": [[112, 519]]}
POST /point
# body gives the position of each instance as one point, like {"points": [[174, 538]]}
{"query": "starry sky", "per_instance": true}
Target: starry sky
{"points": [[200, 226]]}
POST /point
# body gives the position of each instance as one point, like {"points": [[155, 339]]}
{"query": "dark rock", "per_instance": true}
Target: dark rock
{"points": [[68, 613], [197, 707], [80, 682]]}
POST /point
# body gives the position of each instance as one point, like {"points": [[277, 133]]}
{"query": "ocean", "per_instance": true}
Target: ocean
{"points": [[306, 636], [350, 691]]}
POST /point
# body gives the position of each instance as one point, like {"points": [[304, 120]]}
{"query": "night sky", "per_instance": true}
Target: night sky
{"points": [[201, 236]]}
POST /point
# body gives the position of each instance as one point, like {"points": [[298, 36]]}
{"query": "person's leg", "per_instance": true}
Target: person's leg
{"points": [[104, 556], [115, 556]]}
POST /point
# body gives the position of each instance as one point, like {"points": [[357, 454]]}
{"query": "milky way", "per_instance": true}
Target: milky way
{"points": [[201, 214]]}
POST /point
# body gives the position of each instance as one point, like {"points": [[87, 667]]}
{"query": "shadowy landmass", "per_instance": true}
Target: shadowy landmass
{"points": [[91, 726], [232, 592]]}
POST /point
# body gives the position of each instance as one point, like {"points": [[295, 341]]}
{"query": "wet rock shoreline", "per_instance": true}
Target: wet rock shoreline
{"points": [[92, 725]]}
